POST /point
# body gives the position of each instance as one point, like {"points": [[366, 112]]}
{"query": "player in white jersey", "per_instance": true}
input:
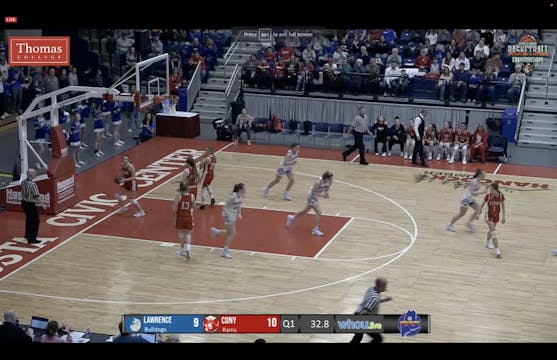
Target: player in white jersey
{"points": [[469, 200], [231, 211], [319, 189], [286, 166]]}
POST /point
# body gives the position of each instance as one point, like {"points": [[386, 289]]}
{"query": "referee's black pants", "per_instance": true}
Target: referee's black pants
{"points": [[418, 150], [31, 220], [358, 144]]}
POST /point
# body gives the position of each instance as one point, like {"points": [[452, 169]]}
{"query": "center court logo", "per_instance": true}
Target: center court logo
{"points": [[409, 324], [39, 51]]}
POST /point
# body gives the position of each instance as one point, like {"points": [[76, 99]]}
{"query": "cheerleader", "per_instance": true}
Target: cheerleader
{"points": [[75, 140], [98, 128], [116, 122]]}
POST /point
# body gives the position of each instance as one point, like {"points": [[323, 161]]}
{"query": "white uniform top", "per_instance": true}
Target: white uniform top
{"points": [[321, 189], [231, 211], [287, 162], [472, 187]]}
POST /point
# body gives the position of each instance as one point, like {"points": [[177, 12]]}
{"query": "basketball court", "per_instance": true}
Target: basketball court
{"points": [[387, 219]]}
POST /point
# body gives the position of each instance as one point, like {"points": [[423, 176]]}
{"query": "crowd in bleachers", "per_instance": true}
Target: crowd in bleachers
{"points": [[449, 65]]}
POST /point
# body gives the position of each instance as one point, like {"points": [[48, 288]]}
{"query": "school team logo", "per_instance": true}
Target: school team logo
{"points": [[135, 325], [527, 50], [458, 180], [409, 324], [210, 324]]}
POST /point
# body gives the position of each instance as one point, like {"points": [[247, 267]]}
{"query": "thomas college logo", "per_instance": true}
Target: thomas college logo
{"points": [[39, 51]]}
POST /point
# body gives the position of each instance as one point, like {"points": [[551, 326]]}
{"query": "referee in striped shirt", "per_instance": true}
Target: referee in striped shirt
{"points": [[29, 199], [370, 305]]}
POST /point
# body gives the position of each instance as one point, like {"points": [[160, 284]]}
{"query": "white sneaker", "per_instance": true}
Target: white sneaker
{"points": [[117, 144], [469, 226], [214, 232], [384, 154], [289, 220], [489, 245], [451, 161], [129, 130], [450, 227], [429, 157], [121, 142], [225, 254], [286, 196], [139, 213], [100, 152], [181, 252], [389, 153], [265, 193], [402, 155], [376, 154], [464, 162], [498, 253], [109, 135], [438, 157], [81, 162], [84, 145], [187, 254], [317, 232], [77, 165], [405, 156]]}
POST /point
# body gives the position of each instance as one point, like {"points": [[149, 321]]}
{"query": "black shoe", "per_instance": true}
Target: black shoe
{"points": [[202, 206], [33, 241], [424, 164], [364, 163], [415, 163], [213, 202], [343, 156]]}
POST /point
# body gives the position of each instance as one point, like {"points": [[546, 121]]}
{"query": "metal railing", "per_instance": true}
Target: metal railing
{"points": [[229, 54], [549, 72], [233, 89], [520, 110], [194, 86]]}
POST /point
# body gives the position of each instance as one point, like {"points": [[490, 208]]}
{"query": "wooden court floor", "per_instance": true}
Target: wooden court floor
{"points": [[381, 220]]}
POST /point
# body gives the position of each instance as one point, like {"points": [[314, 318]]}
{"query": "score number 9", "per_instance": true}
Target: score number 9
{"points": [[195, 322]]}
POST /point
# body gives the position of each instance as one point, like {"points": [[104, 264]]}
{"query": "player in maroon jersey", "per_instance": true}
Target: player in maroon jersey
{"points": [[446, 138], [495, 201], [128, 187], [207, 174], [183, 206], [461, 140]]}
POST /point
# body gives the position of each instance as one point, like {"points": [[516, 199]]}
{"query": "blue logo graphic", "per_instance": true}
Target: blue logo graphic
{"points": [[133, 324], [409, 324]]}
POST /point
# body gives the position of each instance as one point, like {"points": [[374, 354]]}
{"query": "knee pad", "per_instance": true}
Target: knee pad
{"points": [[120, 197], [494, 234]]}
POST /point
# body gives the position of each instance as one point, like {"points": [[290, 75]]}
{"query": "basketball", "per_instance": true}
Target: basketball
{"points": [[118, 180]]}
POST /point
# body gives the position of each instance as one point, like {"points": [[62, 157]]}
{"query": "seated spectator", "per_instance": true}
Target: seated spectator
{"points": [[359, 80], [448, 62], [430, 140], [453, 49], [434, 71], [461, 141], [432, 36], [443, 36], [397, 136], [479, 143], [249, 69], [56, 335], [394, 57], [269, 55], [286, 51], [446, 139], [459, 83], [469, 49], [487, 88], [305, 72], [462, 59], [482, 47], [211, 54], [474, 80], [391, 80], [127, 338], [10, 333], [309, 54], [339, 56], [175, 81], [410, 140], [146, 130], [478, 62], [372, 79], [380, 130], [472, 37], [500, 37], [444, 82], [243, 124], [494, 63], [487, 35], [364, 55], [195, 59], [459, 36], [411, 52], [423, 61], [515, 81], [156, 46]]}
